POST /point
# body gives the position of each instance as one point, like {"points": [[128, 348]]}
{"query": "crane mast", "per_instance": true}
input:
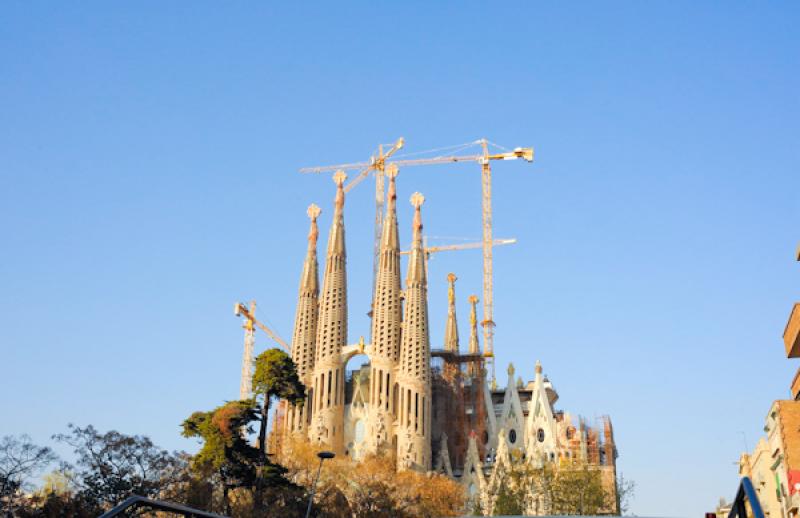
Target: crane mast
{"points": [[488, 272], [250, 321]]}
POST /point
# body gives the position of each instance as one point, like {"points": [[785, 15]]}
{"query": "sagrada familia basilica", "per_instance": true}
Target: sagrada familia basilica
{"points": [[433, 409]]}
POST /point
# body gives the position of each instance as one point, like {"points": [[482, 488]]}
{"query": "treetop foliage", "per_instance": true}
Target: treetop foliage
{"points": [[275, 376]]}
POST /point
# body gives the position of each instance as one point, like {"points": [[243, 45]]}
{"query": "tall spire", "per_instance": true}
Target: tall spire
{"points": [[451, 329], [415, 348], [336, 236], [474, 346], [327, 398], [332, 326], [305, 320], [473, 367], [414, 375], [387, 311]]}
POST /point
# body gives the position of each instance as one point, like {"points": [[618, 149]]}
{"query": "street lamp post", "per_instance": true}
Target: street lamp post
{"points": [[322, 456]]}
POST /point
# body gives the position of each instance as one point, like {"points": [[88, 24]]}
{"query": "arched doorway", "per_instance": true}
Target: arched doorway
{"points": [[356, 400]]}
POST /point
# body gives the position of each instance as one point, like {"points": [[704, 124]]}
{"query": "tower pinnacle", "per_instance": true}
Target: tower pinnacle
{"points": [[474, 347], [451, 331], [386, 310], [414, 376], [305, 320], [310, 278], [416, 263], [327, 397]]}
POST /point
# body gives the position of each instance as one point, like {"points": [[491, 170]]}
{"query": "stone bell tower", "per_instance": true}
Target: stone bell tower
{"points": [[305, 323], [414, 377], [386, 325], [327, 393]]}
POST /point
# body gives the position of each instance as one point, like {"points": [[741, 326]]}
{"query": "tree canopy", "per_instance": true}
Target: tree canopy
{"points": [[20, 459], [111, 466]]}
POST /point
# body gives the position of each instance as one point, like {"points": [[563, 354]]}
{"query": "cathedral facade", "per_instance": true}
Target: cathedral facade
{"points": [[431, 408]]}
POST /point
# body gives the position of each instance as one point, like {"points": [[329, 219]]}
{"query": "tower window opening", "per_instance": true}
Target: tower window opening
{"points": [[328, 393], [416, 411]]}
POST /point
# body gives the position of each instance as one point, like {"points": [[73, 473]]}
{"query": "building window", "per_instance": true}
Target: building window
{"points": [[540, 435], [512, 436]]}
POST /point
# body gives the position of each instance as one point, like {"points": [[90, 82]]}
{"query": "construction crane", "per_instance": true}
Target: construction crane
{"points": [[464, 246], [484, 158], [239, 309], [377, 163], [428, 250]]}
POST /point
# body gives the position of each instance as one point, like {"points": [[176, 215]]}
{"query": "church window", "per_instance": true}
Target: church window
{"points": [[416, 411], [512, 436], [485, 437], [328, 393], [358, 431], [540, 435]]}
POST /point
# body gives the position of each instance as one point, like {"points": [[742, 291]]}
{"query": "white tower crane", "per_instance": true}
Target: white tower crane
{"points": [[239, 309], [484, 159]]}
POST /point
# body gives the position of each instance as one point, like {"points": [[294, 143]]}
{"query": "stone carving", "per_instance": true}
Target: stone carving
{"points": [[408, 451], [320, 430], [381, 435]]}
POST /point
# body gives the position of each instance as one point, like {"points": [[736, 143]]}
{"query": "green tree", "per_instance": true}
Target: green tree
{"points": [[275, 377], [225, 453], [570, 488], [578, 489], [510, 489], [111, 466], [625, 491]]}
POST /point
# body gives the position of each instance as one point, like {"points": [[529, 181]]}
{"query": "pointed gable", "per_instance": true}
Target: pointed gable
{"points": [[472, 479], [511, 417], [541, 423]]}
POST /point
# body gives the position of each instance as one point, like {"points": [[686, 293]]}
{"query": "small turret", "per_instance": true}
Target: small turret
{"points": [[473, 367], [451, 329]]}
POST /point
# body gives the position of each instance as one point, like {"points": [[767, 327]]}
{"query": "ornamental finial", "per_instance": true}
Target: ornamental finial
{"points": [[417, 199], [391, 171], [473, 320], [339, 177], [451, 290], [313, 212]]}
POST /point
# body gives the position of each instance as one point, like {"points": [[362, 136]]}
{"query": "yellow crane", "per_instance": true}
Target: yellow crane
{"points": [[376, 164], [428, 250], [484, 158], [250, 321], [464, 246]]}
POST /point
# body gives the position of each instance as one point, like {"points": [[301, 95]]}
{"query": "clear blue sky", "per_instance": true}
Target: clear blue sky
{"points": [[148, 158]]}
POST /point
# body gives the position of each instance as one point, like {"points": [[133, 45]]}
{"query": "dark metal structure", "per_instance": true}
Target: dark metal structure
{"points": [[158, 505], [746, 504]]}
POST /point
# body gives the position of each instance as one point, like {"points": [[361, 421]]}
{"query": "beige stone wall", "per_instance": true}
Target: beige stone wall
{"points": [[757, 466]]}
